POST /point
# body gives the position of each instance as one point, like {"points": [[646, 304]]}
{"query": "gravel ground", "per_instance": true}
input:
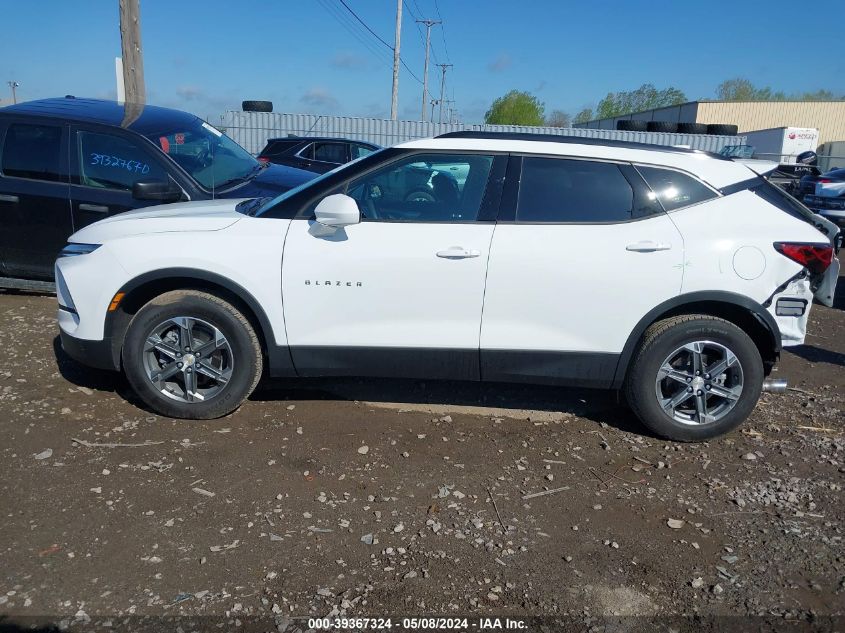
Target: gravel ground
{"points": [[350, 498]]}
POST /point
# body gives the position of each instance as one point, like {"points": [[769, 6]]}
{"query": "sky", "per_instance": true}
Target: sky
{"points": [[313, 56]]}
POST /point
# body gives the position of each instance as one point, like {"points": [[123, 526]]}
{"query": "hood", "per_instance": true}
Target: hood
{"points": [[270, 182], [207, 215], [830, 189]]}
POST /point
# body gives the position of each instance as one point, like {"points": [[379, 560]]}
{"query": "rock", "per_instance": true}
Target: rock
{"points": [[697, 583], [367, 539], [97, 490], [47, 453], [410, 574], [676, 524], [398, 528], [717, 589], [363, 450], [749, 457], [326, 593]]}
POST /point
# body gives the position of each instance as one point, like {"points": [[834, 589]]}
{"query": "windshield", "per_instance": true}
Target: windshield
{"points": [[287, 194], [209, 156]]}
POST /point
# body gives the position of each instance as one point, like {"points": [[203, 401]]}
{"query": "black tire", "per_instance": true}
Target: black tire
{"points": [[658, 342], [632, 126], [721, 129], [662, 126], [247, 359], [257, 106], [692, 128]]}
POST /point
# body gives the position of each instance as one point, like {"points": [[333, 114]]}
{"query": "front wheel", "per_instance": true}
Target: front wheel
{"points": [[190, 354], [694, 377]]}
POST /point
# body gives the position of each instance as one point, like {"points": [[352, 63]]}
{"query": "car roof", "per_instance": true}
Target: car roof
{"points": [[152, 119], [308, 139], [714, 169]]}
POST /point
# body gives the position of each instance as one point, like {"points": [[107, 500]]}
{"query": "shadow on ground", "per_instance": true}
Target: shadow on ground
{"points": [[600, 406]]}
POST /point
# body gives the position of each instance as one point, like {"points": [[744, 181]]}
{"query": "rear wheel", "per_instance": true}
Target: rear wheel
{"points": [[190, 354], [694, 377]]}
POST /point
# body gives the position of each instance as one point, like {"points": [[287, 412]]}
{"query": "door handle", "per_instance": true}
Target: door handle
{"points": [[648, 246], [96, 208], [4, 197], [458, 252]]}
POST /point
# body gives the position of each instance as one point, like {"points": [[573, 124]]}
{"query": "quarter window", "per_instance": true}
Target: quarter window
{"points": [[674, 189], [564, 190], [424, 188], [112, 162], [32, 151]]}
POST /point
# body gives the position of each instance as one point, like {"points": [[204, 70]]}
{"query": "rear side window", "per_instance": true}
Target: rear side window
{"points": [[674, 189], [563, 190], [32, 151], [330, 152], [113, 162]]}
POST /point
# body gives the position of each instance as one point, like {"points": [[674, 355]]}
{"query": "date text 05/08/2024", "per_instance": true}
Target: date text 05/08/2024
{"points": [[418, 624]]}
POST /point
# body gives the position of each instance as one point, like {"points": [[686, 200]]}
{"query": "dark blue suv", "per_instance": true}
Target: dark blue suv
{"points": [[65, 163]]}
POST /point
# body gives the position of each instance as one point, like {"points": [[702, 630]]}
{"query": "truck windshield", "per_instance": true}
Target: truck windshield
{"points": [[213, 159]]}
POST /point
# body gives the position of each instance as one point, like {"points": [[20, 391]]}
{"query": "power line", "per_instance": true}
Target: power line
{"points": [[442, 31], [350, 27], [374, 34], [348, 8]]}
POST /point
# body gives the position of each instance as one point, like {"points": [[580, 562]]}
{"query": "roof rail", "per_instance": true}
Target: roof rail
{"points": [[576, 140]]}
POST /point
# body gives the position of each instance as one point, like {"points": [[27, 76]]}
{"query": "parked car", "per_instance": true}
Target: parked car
{"points": [[317, 154], [65, 163], [673, 275], [828, 200], [807, 185]]}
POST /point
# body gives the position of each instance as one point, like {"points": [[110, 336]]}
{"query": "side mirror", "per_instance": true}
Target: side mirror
{"points": [[160, 190], [337, 210]]}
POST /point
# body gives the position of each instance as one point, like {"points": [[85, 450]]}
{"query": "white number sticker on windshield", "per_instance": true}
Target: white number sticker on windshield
{"points": [[212, 129]]}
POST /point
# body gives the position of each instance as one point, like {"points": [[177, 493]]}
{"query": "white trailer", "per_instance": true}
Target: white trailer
{"points": [[782, 144]]}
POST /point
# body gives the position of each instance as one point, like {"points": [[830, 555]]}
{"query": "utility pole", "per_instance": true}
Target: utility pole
{"points": [[443, 68], [130, 45], [428, 25], [394, 98], [14, 85]]}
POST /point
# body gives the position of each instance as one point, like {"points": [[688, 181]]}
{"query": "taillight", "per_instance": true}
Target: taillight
{"points": [[814, 257], [824, 180], [263, 159]]}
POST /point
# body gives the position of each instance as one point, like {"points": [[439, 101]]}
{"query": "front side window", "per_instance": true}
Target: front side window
{"points": [[424, 188], [113, 162], [330, 152], [32, 151], [674, 189], [209, 156], [565, 190]]}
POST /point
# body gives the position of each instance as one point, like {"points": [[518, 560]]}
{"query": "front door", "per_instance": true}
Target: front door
{"points": [[35, 217], [400, 294], [105, 165]]}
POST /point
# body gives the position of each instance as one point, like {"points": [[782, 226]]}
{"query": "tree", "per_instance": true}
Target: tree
{"points": [[584, 116], [516, 108], [646, 97], [558, 118], [740, 89]]}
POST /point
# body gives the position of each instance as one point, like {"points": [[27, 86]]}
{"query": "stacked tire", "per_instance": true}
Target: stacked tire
{"points": [[257, 106], [716, 129]]}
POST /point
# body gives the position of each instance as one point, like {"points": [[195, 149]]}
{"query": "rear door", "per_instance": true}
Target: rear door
{"points": [[581, 252], [104, 165], [35, 217]]}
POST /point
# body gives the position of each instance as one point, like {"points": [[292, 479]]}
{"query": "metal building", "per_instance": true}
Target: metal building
{"points": [[827, 116], [252, 129]]}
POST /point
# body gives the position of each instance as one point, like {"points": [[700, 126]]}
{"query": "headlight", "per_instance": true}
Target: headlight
{"points": [[74, 249]]}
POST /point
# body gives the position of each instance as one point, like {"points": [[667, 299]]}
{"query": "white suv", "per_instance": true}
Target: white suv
{"points": [[674, 275]]}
